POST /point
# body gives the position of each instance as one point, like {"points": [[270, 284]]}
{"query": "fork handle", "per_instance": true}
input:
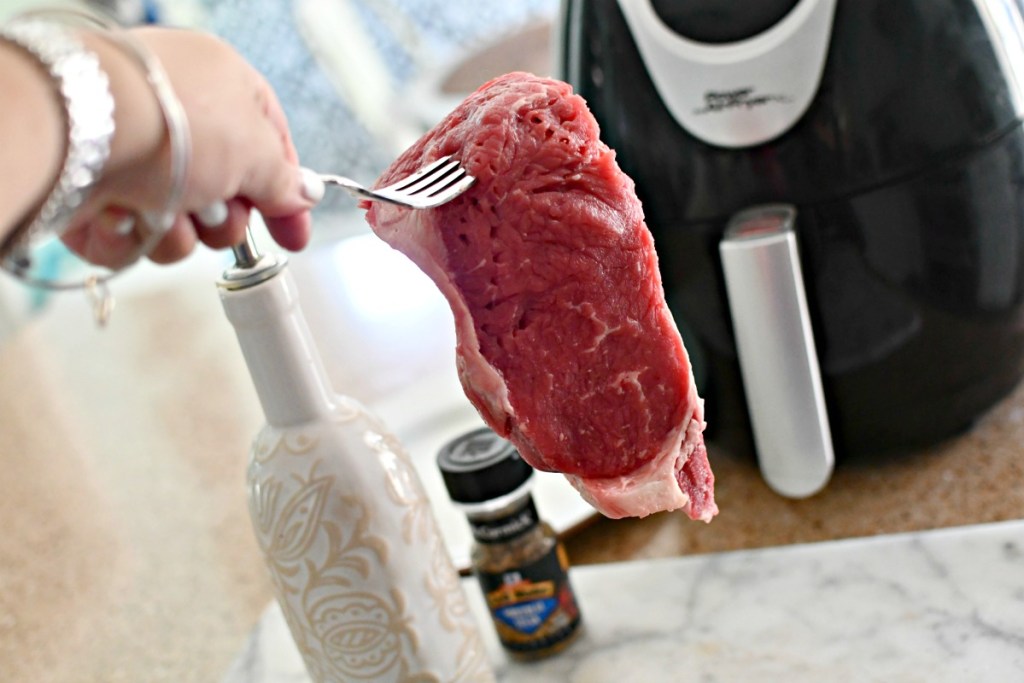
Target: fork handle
{"points": [[357, 190], [354, 188]]}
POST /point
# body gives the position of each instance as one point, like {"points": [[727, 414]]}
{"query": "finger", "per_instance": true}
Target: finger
{"points": [[294, 230], [275, 188], [176, 243], [287, 218], [231, 231], [107, 239], [291, 232], [211, 216]]}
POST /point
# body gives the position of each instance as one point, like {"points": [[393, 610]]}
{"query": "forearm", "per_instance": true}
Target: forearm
{"points": [[32, 135], [240, 153], [32, 124]]}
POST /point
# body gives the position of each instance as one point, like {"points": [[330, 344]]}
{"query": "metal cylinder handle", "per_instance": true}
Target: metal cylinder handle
{"points": [[775, 344]]}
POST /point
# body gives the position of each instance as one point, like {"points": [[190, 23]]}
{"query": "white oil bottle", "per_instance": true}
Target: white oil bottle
{"points": [[355, 555]]}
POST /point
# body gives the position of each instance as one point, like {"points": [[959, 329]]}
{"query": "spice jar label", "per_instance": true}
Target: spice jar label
{"points": [[533, 606]]}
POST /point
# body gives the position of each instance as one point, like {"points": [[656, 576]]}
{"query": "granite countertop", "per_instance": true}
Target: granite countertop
{"points": [[127, 552], [931, 606]]}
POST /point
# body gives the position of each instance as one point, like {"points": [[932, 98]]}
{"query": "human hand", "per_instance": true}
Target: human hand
{"points": [[241, 154]]}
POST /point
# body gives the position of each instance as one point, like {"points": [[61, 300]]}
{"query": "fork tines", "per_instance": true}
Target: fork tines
{"points": [[433, 179]]}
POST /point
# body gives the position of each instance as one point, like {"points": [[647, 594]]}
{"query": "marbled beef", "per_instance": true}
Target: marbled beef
{"points": [[565, 344]]}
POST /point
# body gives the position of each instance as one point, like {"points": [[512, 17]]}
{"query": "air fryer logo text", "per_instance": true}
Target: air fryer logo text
{"points": [[747, 98]]}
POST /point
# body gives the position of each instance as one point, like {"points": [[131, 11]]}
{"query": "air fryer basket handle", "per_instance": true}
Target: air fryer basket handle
{"points": [[775, 344]]}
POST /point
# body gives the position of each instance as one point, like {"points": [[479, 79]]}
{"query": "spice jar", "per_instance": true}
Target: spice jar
{"points": [[517, 558]]}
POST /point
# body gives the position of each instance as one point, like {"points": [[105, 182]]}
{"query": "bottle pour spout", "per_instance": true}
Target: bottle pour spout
{"points": [[246, 253], [251, 268]]}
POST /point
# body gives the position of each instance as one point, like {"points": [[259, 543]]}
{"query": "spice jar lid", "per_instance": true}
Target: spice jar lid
{"points": [[480, 466]]}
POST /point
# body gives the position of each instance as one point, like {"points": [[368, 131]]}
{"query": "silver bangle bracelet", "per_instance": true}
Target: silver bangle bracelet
{"points": [[178, 131]]}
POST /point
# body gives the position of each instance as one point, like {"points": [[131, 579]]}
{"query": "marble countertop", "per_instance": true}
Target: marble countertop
{"points": [[127, 552], [931, 606]]}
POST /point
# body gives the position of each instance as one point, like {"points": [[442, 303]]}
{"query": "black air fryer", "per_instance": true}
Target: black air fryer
{"points": [[835, 193]]}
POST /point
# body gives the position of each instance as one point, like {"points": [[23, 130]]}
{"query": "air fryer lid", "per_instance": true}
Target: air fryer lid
{"points": [[907, 85]]}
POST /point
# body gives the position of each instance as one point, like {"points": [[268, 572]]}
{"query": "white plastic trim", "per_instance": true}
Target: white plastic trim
{"points": [[736, 94]]}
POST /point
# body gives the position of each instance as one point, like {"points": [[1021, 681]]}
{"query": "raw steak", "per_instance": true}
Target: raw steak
{"points": [[565, 344]]}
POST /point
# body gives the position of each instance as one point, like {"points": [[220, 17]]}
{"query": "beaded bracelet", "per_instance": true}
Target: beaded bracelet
{"points": [[152, 225], [88, 112]]}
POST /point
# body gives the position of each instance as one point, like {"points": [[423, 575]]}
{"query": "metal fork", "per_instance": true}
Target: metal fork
{"points": [[432, 185]]}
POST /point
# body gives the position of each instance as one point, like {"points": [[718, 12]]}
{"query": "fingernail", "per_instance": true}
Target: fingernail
{"points": [[214, 215], [124, 225], [159, 221], [311, 185]]}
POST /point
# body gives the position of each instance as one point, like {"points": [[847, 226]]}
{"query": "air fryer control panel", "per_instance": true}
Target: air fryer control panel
{"points": [[741, 93]]}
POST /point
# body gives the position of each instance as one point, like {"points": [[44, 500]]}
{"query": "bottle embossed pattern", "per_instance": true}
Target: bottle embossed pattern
{"points": [[356, 559]]}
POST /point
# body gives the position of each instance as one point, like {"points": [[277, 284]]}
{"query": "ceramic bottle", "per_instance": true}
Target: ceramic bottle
{"points": [[357, 562]]}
